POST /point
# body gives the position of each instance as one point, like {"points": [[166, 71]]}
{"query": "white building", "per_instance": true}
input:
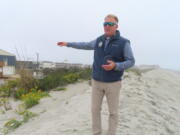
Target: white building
{"points": [[47, 64], [7, 63]]}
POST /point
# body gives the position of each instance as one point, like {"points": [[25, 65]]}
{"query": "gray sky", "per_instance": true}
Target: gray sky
{"points": [[34, 26]]}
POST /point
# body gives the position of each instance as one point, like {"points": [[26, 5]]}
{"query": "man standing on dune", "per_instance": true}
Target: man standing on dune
{"points": [[112, 55]]}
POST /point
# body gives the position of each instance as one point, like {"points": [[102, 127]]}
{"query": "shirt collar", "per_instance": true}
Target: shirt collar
{"points": [[116, 36]]}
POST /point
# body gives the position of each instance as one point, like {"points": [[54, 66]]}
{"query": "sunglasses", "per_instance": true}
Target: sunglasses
{"points": [[109, 23]]}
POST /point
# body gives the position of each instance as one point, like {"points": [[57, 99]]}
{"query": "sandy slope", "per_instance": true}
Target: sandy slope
{"points": [[149, 105]]}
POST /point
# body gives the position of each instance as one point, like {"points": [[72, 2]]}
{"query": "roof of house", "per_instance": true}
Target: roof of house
{"points": [[2, 52]]}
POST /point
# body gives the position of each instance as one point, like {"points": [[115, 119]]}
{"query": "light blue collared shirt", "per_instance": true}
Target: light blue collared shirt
{"points": [[129, 59]]}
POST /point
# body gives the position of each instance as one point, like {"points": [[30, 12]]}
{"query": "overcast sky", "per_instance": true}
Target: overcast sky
{"points": [[34, 26]]}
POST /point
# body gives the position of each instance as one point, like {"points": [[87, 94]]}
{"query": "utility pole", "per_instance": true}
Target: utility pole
{"points": [[37, 55]]}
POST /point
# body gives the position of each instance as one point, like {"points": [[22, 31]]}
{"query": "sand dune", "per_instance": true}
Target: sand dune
{"points": [[149, 105]]}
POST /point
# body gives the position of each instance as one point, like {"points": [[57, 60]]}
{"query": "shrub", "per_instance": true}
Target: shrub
{"points": [[19, 86], [20, 109], [13, 83], [60, 89], [5, 103], [71, 78], [32, 98], [8, 88], [55, 78], [85, 74], [27, 81], [49, 82], [19, 92], [12, 124], [28, 115], [5, 91]]}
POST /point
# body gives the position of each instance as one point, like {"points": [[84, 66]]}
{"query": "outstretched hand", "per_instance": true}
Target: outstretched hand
{"points": [[111, 65], [62, 43]]}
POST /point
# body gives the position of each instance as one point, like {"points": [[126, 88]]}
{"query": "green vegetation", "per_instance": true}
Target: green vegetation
{"points": [[5, 91], [62, 77], [60, 89], [30, 90], [32, 98], [136, 71], [71, 78], [27, 115], [4, 103], [19, 92], [13, 123], [53, 78]]}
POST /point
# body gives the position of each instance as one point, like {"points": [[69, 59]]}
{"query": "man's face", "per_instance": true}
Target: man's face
{"points": [[110, 30]]}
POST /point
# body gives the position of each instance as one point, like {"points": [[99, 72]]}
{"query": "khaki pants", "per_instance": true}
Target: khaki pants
{"points": [[111, 91]]}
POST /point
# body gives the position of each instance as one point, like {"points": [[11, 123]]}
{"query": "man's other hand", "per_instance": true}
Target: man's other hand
{"points": [[62, 43], [111, 65]]}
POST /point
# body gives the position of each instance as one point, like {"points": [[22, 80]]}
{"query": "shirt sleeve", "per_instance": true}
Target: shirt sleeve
{"points": [[82, 45], [128, 57]]}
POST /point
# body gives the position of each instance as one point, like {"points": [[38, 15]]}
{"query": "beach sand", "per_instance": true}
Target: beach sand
{"points": [[149, 105]]}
